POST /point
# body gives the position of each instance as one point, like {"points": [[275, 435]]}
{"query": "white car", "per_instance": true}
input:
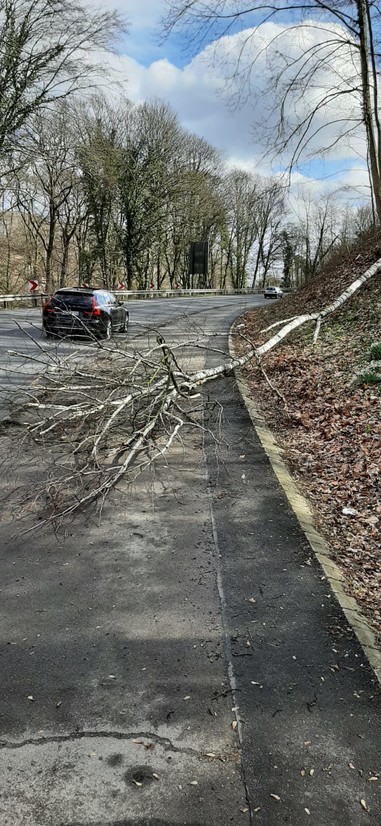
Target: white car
{"points": [[272, 292]]}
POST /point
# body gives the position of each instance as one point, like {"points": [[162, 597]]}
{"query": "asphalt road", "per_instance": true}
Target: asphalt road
{"points": [[184, 661], [24, 350]]}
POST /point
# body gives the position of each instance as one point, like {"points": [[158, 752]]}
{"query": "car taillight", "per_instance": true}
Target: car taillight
{"points": [[95, 311]]}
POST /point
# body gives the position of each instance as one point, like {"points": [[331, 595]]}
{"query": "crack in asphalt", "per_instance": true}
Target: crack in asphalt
{"points": [[165, 742]]}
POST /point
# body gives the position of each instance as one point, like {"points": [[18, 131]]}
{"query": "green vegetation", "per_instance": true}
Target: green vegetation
{"points": [[375, 352]]}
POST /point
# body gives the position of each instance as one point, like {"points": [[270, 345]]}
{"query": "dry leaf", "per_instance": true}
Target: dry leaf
{"points": [[251, 599], [156, 776], [258, 809], [243, 809], [372, 779], [312, 771], [275, 796], [30, 697], [364, 805], [234, 725], [187, 697], [193, 783], [137, 783], [307, 811], [210, 754]]}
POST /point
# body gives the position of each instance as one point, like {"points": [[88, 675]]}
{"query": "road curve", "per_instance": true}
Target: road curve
{"points": [[24, 349]]}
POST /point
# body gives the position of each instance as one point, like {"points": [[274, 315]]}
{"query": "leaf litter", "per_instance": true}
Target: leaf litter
{"points": [[330, 431]]}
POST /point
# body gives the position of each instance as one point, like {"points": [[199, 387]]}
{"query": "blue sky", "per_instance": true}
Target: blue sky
{"points": [[195, 85]]}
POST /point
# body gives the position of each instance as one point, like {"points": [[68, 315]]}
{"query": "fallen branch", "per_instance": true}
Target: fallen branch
{"points": [[117, 420]]}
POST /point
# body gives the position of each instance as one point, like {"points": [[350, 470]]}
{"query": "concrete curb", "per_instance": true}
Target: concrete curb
{"points": [[299, 504]]}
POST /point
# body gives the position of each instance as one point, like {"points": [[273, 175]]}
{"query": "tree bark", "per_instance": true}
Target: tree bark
{"points": [[363, 23]]}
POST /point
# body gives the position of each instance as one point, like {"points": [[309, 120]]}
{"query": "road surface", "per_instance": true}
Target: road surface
{"points": [[183, 661]]}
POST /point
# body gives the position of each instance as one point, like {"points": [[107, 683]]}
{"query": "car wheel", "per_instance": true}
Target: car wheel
{"points": [[108, 330], [124, 325]]}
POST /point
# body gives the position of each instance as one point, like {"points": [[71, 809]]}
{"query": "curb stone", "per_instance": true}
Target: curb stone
{"points": [[299, 504]]}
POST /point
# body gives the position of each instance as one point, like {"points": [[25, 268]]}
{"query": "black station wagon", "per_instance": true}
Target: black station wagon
{"points": [[76, 312]]}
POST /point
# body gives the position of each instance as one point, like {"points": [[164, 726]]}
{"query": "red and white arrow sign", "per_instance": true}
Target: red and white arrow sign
{"points": [[120, 285], [32, 285]]}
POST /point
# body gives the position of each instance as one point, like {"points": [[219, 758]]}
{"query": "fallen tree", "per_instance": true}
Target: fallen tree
{"points": [[113, 421]]}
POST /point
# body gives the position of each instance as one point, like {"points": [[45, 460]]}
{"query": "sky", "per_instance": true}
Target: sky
{"points": [[199, 88]]}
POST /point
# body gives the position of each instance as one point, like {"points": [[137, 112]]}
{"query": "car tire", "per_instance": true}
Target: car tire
{"points": [[108, 330], [123, 328]]}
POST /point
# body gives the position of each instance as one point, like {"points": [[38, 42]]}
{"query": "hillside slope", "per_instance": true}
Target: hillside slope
{"points": [[330, 427]]}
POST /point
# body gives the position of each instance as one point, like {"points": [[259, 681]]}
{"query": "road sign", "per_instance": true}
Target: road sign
{"points": [[198, 258], [32, 285]]}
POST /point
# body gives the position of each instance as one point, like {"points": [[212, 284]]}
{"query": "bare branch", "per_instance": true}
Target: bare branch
{"points": [[133, 412]]}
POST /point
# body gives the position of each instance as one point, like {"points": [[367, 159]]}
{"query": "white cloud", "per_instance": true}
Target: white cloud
{"points": [[201, 90]]}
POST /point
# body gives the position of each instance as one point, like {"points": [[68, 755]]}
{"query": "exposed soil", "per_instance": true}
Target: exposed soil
{"points": [[330, 429]]}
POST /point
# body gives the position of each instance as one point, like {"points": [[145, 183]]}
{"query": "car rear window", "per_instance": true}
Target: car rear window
{"points": [[72, 301]]}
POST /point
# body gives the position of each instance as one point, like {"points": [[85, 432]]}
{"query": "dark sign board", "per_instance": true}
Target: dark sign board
{"points": [[198, 258]]}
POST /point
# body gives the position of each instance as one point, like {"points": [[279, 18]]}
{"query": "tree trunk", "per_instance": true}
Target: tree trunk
{"points": [[50, 248], [363, 23]]}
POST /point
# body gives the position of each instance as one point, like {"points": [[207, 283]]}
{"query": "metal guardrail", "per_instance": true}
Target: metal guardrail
{"points": [[38, 299]]}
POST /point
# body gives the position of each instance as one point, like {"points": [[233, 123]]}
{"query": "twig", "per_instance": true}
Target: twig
{"points": [[274, 389]]}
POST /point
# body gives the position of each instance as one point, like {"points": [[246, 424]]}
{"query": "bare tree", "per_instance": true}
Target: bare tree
{"points": [[317, 231], [99, 156], [241, 197], [44, 187], [270, 218], [46, 52], [337, 47], [148, 183], [199, 198]]}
